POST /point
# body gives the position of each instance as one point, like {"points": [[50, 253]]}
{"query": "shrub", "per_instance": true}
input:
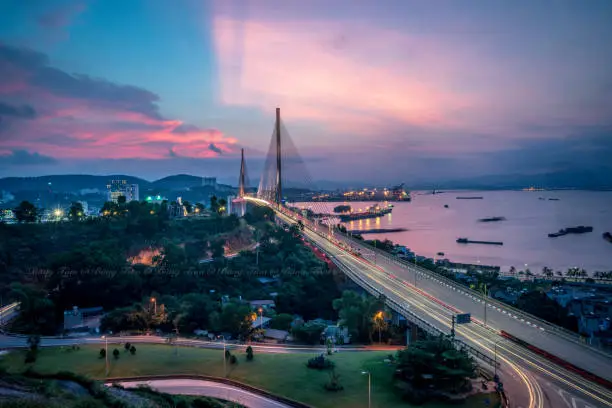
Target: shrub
{"points": [[116, 353], [30, 356], [227, 354], [133, 350], [320, 363], [233, 359], [102, 353], [249, 353], [127, 346], [333, 384]]}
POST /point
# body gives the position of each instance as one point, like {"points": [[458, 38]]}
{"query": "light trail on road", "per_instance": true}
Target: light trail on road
{"points": [[522, 362]]}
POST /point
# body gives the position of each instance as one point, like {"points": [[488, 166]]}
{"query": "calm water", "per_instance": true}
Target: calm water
{"points": [[433, 228]]}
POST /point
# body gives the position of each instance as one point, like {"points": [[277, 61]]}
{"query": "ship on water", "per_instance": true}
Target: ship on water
{"points": [[374, 211], [607, 236], [571, 230]]}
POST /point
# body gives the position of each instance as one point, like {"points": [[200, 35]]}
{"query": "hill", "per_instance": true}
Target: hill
{"points": [[65, 183]]}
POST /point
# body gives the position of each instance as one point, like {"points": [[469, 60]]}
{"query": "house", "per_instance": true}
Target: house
{"points": [[82, 319], [278, 336], [261, 322], [339, 335], [264, 304]]}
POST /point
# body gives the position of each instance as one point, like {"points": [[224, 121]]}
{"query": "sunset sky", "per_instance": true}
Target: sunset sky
{"points": [[378, 91]]}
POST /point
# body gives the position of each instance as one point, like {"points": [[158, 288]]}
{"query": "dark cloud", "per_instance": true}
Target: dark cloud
{"points": [[22, 112], [23, 157], [20, 63], [214, 148]]}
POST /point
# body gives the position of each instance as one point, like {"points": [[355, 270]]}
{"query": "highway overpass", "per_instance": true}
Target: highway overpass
{"points": [[530, 379]]}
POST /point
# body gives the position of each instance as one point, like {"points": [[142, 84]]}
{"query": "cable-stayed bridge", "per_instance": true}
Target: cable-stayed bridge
{"points": [[431, 301]]}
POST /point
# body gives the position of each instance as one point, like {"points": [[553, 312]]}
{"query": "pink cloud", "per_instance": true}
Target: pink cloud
{"points": [[349, 76], [75, 116]]}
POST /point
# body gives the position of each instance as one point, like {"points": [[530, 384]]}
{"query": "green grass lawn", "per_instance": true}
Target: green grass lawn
{"points": [[282, 374]]}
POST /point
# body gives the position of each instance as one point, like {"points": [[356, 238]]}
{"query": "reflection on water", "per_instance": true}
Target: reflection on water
{"points": [[433, 228]]}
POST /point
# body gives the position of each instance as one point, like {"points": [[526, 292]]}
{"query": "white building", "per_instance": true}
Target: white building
{"points": [[117, 188]]}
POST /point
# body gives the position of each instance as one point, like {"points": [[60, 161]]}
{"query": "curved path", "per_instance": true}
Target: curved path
{"points": [[209, 389]]}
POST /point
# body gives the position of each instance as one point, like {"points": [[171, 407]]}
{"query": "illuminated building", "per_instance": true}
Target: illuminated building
{"points": [[117, 188]]}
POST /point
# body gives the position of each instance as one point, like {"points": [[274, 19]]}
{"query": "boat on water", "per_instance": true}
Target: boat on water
{"points": [[571, 230], [440, 254], [370, 212], [492, 219], [470, 198], [445, 205], [607, 236], [553, 199], [469, 241]]}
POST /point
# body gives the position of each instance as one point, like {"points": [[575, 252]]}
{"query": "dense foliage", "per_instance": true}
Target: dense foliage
{"points": [[92, 262], [434, 364]]}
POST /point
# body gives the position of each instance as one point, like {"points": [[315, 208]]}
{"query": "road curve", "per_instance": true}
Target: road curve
{"points": [[533, 382], [208, 389]]}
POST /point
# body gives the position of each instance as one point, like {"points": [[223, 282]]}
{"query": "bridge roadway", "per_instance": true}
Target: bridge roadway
{"points": [[530, 380]]}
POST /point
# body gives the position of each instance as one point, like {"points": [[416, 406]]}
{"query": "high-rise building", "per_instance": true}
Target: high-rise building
{"points": [[117, 188]]}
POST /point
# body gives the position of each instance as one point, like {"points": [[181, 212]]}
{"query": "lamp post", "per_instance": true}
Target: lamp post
{"points": [[154, 301], [369, 387], [106, 352], [495, 377], [485, 295], [224, 363], [380, 316], [260, 318]]}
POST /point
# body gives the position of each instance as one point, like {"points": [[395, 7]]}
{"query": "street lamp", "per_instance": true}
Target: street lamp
{"points": [[379, 315], [485, 294], [369, 387], [106, 352], [260, 318], [495, 358], [224, 363], [154, 301]]}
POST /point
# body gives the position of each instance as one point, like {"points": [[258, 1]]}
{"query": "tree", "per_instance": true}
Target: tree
{"points": [[33, 342], [116, 354], [281, 321], [435, 364], [102, 353], [132, 350], [249, 353], [26, 212], [127, 346], [121, 200], [76, 211], [356, 313], [214, 204], [188, 207], [222, 206], [308, 332]]}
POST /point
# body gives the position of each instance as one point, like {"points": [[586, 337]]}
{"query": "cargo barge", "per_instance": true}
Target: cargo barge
{"points": [[571, 230], [468, 241]]}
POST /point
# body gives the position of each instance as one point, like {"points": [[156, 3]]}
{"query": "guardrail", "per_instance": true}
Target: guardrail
{"points": [[567, 334], [398, 307], [283, 400]]}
